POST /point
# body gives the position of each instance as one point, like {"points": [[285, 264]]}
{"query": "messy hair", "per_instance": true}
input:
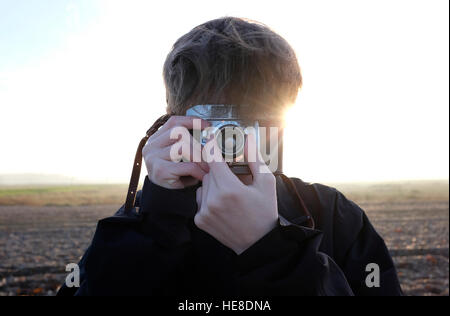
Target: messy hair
{"points": [[231, 61]]}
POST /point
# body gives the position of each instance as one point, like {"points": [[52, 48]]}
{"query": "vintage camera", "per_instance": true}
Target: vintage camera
{"points": [[230, 128]]}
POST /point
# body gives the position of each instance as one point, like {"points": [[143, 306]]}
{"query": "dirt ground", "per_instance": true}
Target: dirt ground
{"points": [[37, 242]]}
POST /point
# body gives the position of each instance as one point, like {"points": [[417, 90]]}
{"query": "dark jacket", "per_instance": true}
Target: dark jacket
{"points": [[158, 250]]}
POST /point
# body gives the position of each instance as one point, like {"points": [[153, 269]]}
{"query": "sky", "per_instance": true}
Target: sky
{"points": [[81, 82]]}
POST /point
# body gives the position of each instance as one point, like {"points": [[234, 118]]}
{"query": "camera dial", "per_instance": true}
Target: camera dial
{"points": [[230, 138]]}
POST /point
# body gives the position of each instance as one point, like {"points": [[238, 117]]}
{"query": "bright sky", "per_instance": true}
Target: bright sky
{"points": [[81, 81]]}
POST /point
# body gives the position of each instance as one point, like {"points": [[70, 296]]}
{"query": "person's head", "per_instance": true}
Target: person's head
{"points": [[232, 61]]}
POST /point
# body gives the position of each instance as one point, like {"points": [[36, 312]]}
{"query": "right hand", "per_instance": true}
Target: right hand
{"points": [[157, 155]]}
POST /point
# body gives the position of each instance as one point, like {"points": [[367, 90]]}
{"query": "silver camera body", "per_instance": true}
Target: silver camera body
{"points": [[230, 129]]}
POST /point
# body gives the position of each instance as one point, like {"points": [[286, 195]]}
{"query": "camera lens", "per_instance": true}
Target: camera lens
{"points": [[231, 140]]}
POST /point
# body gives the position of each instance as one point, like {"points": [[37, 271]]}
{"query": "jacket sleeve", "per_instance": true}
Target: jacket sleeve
{"points": [[140, 253], [287, 261]]}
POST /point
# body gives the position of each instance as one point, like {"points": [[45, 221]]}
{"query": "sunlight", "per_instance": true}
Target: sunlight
{"points": [[374, 104]]}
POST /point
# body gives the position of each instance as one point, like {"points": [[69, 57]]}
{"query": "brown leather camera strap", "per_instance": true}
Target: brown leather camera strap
{"points": [[310, 220], [135, 174]]}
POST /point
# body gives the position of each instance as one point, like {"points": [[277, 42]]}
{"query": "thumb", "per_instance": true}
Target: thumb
{"points": [[254, 158]]}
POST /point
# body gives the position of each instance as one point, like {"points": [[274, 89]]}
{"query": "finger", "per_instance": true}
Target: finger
{"points": [[183, 169], [184, 121], [191, 150], [186, 148], [182, 150], [168, 137], [166, 154], [160, 172], [219, 169], [177, 146], [254, 158]]}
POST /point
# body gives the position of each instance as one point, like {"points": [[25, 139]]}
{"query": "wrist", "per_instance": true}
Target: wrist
{"points": [[239, 249]]}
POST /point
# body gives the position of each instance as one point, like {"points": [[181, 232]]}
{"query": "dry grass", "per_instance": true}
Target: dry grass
{"points": [[69, 195], [102, 194], [418, 190]]}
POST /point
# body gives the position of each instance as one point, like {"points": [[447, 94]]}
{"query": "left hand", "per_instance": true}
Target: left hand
{"points": [[237, 215]]}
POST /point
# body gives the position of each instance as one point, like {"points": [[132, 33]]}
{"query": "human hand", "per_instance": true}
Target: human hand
{"points": [[237, 215], [166, 148]]}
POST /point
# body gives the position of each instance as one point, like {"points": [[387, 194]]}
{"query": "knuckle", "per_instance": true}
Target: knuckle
{"points": [[149, 159], [171, 121], [227, 194], [151, 139], [148, 162], [199, 220], [147, 147], [151, 144], [175, 120], [156, 171]]}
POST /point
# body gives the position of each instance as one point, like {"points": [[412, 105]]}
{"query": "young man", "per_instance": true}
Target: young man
{"points": [[199, 229]]}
